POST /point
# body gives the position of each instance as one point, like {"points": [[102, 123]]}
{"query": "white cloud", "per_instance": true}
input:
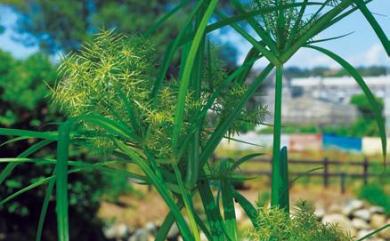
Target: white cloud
{"points": [[374, 55], [308, 58], [7, 39]]}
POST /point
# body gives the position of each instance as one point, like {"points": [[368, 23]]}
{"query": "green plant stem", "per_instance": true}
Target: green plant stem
{"points": [[187, 203], [62, 180], [276, 175], [319, 26], [375, 232]]}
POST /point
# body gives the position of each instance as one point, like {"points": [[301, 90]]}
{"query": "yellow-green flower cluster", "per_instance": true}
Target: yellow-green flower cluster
{"points": [[276, 224], [114, 76]]}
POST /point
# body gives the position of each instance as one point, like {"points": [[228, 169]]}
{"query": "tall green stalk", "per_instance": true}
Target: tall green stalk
{"points": [[276, 186]]}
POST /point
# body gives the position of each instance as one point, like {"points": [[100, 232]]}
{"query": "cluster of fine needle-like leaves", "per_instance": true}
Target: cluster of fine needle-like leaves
{"points": [[277, 225], [113, 76], [270, 20]]}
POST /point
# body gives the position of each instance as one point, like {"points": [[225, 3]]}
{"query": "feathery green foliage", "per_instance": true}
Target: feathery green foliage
{"points": [[276, 224]]}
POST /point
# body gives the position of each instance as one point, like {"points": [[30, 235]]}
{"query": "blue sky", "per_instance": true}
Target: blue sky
{"points": [[8, 38], [360, 48]]}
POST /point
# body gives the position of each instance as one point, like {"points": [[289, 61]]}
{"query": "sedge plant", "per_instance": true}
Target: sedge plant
{"points": [[303, 225], [168, 127]]}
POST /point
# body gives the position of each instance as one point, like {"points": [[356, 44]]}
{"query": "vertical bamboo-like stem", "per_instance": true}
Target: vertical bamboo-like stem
{"points": [[284, 202], [61, 171], [276, 175], [193, 168]]}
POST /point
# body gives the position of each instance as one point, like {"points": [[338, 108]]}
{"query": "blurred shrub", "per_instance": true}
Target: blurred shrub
{"points": [[24, 97], [376, 195]]}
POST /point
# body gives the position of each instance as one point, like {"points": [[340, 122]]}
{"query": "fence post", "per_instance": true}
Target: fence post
{"points": [[342, 182], [365, 171], [326, 172]]}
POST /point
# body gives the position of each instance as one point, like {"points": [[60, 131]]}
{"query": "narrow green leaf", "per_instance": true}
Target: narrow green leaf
{"points": [[256, 26], [222, 127], [165, 227], [13, 140], [184, 82], [187, 203], [214, 217], [193, 169], [244, 159], [31, 134], [345, 14], [44, 181], [241, 17], [113, 127], [62, 180], [44, 208], [366, 90], [172, 48], [203, 226], [316, 27], [161, 188], [26, 189], [227, 191], [32, 149], [304, 174], [249, 209], [239, 75], [298, 22], [256, 44], [165, 17], [374, 232], [329, 39], [374, 24], [131, 112]]}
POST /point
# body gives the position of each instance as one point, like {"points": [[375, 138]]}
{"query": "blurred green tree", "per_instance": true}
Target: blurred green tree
{"points": [[62, 25], [365, 125], [24, 95], [23, 91]]}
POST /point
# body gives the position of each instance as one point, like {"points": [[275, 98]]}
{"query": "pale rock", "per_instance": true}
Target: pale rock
{"points": [[151, 228], [319, 212], [377, 220], [363, 233], [385, 234], [352, 206], [203, 237], [245, 223], [239, 212], [362, 214], [140, 235], [358, 223], [340, 220], [376, 210], [335, 208], [173, 232], [116, 231]]}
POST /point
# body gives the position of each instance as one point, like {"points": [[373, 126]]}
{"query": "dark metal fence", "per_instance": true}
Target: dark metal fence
{"points": [[325, 172]]}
